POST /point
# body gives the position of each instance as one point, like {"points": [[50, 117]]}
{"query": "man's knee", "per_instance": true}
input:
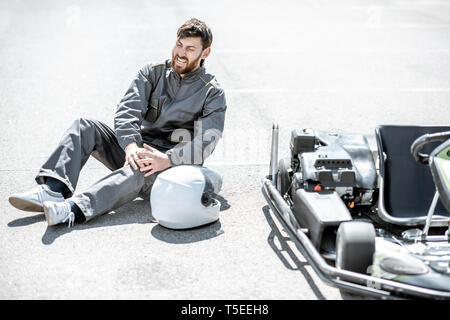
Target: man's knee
{"points": [[135, 175], [84, 124], [143, 184]]}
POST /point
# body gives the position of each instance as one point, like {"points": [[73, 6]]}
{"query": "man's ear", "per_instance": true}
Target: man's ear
{"points": [[206, 53]]}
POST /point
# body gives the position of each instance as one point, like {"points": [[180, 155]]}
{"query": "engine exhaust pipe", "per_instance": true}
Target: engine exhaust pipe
{"points": [[274, 155]]}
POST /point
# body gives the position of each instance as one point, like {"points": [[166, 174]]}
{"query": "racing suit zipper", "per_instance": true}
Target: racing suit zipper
{"points": [[179, 82]]}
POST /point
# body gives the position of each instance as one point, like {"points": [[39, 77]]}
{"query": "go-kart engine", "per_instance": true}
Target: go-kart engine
{"points": [[331, 161]]}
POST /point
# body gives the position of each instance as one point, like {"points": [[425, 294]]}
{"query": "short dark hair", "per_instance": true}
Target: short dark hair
{"points": [[196, 28]]}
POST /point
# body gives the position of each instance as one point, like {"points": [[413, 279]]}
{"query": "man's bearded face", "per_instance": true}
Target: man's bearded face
{"points": [[187, 54]]}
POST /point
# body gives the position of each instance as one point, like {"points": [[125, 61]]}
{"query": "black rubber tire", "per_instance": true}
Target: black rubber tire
{"points": [[283, 177], [355, 246]]}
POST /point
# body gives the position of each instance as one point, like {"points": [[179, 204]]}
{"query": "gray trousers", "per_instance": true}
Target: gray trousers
{"points": [[90, 137]]}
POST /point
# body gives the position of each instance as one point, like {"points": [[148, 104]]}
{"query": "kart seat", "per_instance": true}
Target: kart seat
{"points": [[406, 186]]}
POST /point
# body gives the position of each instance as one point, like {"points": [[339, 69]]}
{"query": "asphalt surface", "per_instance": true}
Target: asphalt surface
{"points": [[341, 65]]}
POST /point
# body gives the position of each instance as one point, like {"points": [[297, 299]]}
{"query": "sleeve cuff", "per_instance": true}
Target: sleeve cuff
{"points": [[124, 142], [172, 157]]}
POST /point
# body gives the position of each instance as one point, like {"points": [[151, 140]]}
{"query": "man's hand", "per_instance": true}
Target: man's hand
{"points": [[131, 156], [152, 160]]}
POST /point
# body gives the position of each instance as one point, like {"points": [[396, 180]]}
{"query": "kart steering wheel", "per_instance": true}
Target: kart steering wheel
{"points": [[423, 140]]}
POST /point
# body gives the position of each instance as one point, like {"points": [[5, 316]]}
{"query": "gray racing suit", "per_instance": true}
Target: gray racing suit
{"points": [[170, 112], [183, 117]]}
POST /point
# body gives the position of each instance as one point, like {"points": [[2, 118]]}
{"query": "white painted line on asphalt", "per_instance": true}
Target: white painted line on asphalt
{"points": [[423, 3], [213, 163], [335, 90], [416, 26], [352, 90], [232, 163], [313, 50], [424, 89], [256, 90]]}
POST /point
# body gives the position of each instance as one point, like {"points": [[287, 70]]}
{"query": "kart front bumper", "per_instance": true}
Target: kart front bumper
{"points": [[343, 279]]}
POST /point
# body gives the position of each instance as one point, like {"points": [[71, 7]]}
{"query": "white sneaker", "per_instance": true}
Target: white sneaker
{"points": [[58, 212], [32, 200]]}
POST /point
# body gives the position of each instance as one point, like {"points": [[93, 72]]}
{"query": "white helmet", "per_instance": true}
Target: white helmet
{"points": [[182, 197]]}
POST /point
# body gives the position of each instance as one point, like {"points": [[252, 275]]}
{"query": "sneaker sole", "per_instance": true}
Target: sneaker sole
{"points": [[25, 205]]}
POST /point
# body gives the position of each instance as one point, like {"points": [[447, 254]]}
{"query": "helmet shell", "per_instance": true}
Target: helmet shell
{"points": [[176, 197]]}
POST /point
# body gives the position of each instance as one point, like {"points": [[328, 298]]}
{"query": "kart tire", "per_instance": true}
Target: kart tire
{"points": [[355, 246], [283, 178]]}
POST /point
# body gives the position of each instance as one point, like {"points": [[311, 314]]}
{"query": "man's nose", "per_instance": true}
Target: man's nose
{"points": [[181, 52]]}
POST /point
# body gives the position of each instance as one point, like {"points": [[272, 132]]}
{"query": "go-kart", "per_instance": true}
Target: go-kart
{"points": [[370, 213]]}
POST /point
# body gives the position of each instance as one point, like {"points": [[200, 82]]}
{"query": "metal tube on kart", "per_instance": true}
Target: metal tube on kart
{"points": [[274, 155], [430, 215], [379, 284]]}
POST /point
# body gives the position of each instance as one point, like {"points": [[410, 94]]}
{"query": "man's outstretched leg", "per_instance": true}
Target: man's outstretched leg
{"points": [[58, 177]]}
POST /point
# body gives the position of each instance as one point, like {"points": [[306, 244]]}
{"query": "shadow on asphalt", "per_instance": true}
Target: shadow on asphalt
{"points": [[299, 265], [205, 232], [137, 211], [21, 222]]}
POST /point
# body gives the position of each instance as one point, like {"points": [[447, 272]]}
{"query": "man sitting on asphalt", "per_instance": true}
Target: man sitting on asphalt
{"points": [[165, 102]]}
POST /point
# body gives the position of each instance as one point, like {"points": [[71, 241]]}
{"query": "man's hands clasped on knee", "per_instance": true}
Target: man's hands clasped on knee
{"points": [[131, 155], [152, 160], [147, 159]]}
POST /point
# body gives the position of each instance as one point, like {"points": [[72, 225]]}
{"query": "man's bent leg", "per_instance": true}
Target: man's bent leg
{"points": [[58, 177], [83, 138], [119, 187]]}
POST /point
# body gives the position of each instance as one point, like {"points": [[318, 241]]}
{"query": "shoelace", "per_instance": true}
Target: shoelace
{"points": [[71, 218], [70, 215]]}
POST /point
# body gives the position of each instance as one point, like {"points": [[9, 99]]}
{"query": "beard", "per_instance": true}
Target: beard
{"points": [[189, 65]]}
